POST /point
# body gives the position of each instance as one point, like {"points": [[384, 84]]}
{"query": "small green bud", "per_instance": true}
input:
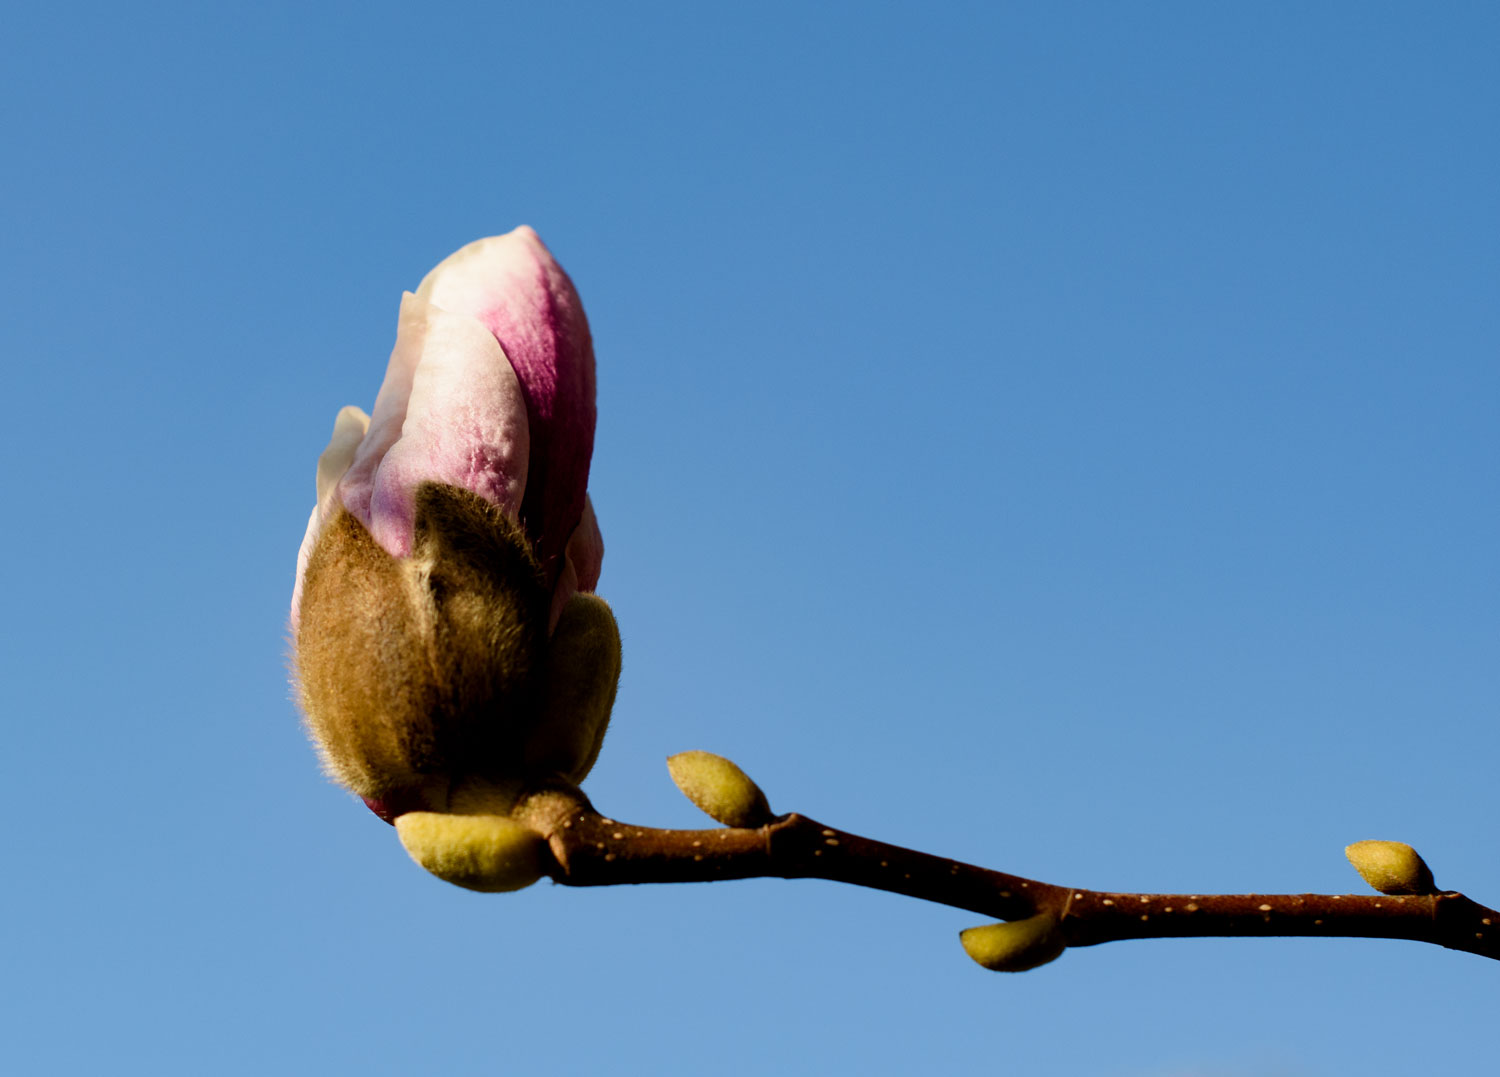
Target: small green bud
{"points": [[720, 789], [490, 853], [1391, 867], [1017, 946]]}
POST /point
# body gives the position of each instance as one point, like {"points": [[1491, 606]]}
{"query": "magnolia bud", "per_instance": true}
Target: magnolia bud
{"points": [[720, 789], [1391, 867], [1017, 946], [490, 853], [451, 531]]}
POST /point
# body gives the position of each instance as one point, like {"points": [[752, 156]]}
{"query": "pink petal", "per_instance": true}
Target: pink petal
{"points": [[581, 562], [465, 424], [512, 284], [586, 548], [357, 488]]}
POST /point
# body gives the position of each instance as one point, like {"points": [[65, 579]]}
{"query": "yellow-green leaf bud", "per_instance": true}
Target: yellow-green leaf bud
{"points": [[720, 789], [1391, 867], [1017, 946], [490, 853]]}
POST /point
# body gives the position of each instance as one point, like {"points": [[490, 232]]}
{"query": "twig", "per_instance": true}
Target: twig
{"points": [[591, 850]]}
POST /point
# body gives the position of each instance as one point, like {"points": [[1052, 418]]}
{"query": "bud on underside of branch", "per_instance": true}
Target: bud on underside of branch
{"points": [[489, 853], [1017, 946]]}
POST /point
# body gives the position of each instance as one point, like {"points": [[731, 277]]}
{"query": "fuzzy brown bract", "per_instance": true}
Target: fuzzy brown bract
{"points": [[413, 670], [583, 672]]}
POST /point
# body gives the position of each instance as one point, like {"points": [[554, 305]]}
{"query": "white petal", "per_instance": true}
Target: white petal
{"points": [[358, 484], [348, 431], [314, 525], [465, 424], [472, 278]]}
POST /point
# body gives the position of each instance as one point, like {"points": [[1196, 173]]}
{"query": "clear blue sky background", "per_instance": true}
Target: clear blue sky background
{"points": [[1059, 436]]}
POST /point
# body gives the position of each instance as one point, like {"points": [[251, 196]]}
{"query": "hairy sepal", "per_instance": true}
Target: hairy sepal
{"points": [[583, 673], [425, 665]]}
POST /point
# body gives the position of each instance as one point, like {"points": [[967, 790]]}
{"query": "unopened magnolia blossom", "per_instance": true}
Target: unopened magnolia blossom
{"points": [[441, 620], [490, 388]]}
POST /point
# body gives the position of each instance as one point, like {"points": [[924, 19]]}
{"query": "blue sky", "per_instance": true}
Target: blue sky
{"points": [[1061, 437]]}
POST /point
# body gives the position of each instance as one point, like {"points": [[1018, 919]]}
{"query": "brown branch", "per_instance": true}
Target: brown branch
{"points": [[591, 850]]}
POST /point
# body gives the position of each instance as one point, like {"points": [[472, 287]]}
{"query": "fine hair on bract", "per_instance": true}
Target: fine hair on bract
{"points": [[412, 670]]}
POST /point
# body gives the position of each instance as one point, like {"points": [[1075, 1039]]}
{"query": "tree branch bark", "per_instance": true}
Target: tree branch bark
{"points": [[589, 849]]}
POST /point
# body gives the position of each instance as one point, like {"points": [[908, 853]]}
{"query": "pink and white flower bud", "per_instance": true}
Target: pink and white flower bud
{"points": [[452, 527], [490, 388]]}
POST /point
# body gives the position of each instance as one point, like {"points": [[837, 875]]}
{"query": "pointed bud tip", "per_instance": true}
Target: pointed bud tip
{"points": [[1391, 867], [1017, 946], [721, 790]]}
